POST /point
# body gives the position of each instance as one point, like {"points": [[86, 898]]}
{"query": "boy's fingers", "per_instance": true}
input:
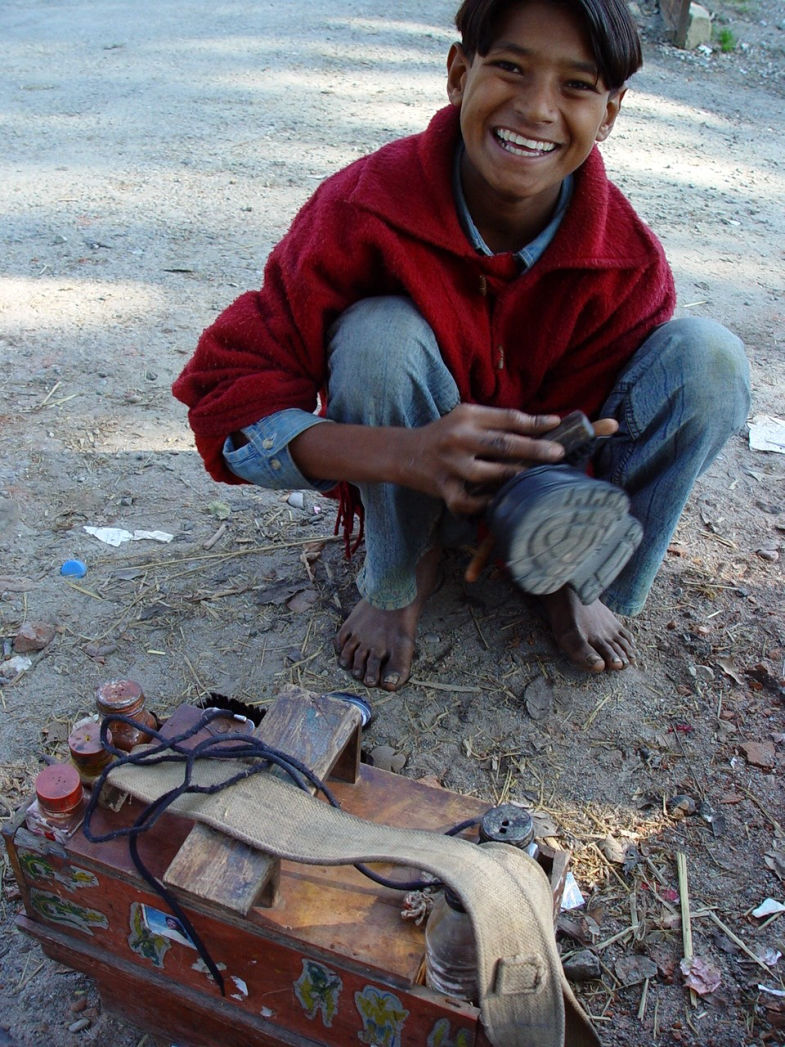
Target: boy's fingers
{"points": [[463, 499], [525, 424], [605, 426], [511, 449], [504, 419], [479, 560]]}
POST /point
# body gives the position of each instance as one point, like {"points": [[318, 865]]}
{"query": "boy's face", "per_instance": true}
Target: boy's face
{"points": [[531, 109]]}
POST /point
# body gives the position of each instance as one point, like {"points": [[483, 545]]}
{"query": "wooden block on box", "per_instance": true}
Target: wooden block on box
{"points": [[321, 732]]}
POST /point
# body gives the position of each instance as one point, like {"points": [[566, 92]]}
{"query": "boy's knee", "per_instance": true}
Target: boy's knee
{"points": [[385, 366], [378, 336], [713, 365]]}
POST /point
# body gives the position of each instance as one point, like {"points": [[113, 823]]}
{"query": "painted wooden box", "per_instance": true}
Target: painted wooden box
{"points": [[328, 961]]}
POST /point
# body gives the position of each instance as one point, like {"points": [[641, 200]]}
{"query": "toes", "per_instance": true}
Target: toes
{"points": [[359, 662], [346, 651], [342, 637], [617, 650], [373, 665], [395, 675], [580, 652], [399, 665], [610, 654], [627, 646], [377, 646]]}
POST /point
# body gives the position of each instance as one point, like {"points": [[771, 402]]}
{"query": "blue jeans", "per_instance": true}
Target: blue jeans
{"points": [[682, 395]]}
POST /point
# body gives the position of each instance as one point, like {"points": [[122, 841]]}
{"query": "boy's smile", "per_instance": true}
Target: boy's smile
{"points": [[531, 110]]}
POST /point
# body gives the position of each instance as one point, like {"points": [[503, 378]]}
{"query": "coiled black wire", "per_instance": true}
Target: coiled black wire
{"points": [[226, 746]]}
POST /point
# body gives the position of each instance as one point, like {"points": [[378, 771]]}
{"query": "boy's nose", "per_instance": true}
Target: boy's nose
{"points": [[536, 102]]}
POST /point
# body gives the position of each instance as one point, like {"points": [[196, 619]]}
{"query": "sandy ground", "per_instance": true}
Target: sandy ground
{"points": [[152, 154]]}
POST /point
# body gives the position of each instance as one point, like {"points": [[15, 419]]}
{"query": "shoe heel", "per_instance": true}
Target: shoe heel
{"points": [[554, 526], [599, 570]]}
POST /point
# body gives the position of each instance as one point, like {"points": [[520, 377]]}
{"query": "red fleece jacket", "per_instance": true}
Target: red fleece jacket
{"points": [[550, 339]]}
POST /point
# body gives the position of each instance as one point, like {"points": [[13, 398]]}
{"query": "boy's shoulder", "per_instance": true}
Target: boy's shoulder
{"points": [[601, 225], [407, 181], [428, 153]]}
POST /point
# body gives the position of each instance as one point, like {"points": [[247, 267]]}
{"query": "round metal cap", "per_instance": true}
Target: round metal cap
{"points": [[85, 740], [58, 787], [507, 824], [118, 695], [354, 699]]}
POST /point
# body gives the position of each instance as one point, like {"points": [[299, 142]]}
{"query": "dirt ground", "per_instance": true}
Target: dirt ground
{"points": [[152, 154]]}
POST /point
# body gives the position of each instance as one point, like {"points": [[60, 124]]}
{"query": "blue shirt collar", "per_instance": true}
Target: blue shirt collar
{"points": [[530, 252]]}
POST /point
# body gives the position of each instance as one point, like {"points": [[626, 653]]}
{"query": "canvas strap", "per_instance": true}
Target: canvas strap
{"points": [[524, 998]]}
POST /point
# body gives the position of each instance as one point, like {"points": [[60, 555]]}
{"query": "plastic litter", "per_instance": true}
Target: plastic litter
{"points": [[74, 569], [117, 535], [767, 433]]}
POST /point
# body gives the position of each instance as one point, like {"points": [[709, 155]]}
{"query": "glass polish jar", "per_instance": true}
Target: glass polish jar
{"points": [[125, 698], [88, 754], [450, 949]]}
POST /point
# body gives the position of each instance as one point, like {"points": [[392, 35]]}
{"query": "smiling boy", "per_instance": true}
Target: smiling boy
{"points": [[448, 299]]}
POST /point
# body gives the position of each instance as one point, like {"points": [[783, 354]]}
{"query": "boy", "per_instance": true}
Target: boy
{"points": [[449, 298]]}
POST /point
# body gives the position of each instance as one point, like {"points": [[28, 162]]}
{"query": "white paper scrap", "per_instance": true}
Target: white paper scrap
{"points": [[116, 535], [767, 433], [768, 907], [572, 897], [773, 992]]}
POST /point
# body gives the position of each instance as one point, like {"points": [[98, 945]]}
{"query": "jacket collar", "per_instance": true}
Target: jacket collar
{"points": [[427, 211]]}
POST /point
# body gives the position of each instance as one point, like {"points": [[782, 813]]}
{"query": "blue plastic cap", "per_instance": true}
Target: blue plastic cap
{"points": [[74, 569]]}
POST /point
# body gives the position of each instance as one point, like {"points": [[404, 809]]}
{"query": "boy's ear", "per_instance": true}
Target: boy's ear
{"points": [[612, 107], [457, 68]]}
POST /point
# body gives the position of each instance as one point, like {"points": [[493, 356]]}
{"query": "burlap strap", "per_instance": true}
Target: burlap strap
{"points": [[524, 998]]}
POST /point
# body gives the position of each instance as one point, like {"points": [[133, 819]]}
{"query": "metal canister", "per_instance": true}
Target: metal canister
{"points": [[59, 805], [509, 824]]}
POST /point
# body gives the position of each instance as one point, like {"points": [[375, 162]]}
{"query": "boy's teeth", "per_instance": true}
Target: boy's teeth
{"points": [[509, 138]]}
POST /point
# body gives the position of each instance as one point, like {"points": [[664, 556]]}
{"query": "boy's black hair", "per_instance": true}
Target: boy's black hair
{"points": [[612, 32]]}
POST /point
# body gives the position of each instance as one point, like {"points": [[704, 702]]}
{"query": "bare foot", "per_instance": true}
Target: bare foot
{"points": [[589, 634], [378, 646]]}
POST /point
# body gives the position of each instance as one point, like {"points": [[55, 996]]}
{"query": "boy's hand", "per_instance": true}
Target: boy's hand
{"points": [[465, 456], [462, 458]]}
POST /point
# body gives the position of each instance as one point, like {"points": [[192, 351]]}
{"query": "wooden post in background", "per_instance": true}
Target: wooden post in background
{"points": [[677, 14]]}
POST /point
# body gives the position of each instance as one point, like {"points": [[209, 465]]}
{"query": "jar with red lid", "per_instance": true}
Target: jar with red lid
{"points": [[88, 754], [125, 698], [59, 805]]}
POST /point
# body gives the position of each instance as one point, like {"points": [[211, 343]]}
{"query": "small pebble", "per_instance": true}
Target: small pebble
{"points": [[582, 966], [33, 636], [387, 759], [681, 806], [767, 553]]}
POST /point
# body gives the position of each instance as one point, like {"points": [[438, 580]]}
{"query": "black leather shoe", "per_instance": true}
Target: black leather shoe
{"points": [[555, 526]]}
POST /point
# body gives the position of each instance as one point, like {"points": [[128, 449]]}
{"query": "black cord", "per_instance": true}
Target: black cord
{"points": [[217, 747]]}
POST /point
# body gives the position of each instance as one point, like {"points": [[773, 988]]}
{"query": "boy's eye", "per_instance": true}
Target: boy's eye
{"points": [[581, 85], [507, 67]]}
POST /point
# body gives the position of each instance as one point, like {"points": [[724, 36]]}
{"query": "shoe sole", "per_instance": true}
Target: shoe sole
{"points": [[555, 526]]}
